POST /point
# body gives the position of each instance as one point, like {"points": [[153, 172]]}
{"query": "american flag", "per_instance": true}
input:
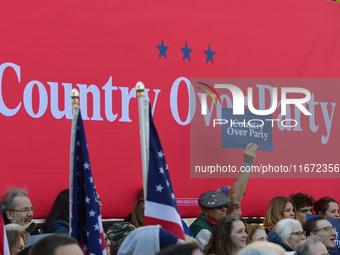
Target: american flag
{"points": [[86, 222], [4, 249], [160, 204]]}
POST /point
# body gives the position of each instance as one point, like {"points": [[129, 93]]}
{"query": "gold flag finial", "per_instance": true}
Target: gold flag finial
{"points": [[75, 96], [140, 89]]}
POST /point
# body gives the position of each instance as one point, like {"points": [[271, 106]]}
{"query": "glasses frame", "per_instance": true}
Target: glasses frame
{"points": [[327, 229], [299, 233], [25, 210]]}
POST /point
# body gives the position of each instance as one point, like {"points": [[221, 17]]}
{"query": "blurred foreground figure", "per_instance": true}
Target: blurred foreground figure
{"points": [[56, 244], [262, 248], [312, 246], [184, 249], [147, 240]]}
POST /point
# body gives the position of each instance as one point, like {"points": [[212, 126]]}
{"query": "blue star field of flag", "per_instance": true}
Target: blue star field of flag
{"points": [[159, 188], [85, 223]]}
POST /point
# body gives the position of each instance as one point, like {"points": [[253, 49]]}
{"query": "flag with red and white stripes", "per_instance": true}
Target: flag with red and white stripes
{"points": [[4, 249], [86, 222], [160, 203]]}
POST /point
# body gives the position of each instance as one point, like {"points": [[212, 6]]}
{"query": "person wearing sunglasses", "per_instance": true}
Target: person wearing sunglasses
{"points": [[321, 227], [213, 207]]}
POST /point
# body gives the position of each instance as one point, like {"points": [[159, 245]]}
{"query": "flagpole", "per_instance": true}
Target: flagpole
{"points": [[141, 101], [75, 100]]}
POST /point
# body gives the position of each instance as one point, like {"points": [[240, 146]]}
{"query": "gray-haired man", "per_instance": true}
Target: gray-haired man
{"points": [[16, 207]]}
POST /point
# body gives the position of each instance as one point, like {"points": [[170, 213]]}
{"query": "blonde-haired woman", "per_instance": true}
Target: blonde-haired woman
{"points": [[279, 208], [16, 241], [256, 233]]}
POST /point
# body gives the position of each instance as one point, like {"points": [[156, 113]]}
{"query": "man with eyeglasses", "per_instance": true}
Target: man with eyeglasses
{"points": [[321, 227], [17, 208]]}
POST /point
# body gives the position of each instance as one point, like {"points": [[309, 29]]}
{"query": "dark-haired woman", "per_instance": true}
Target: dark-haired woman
{"points": [[327, 206], [58, 221], [229, 235]]}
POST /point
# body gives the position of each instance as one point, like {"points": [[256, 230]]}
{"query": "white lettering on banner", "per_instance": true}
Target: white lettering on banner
{"points": [[108, 88], [55, 102], [311, 104], [84, 92], [207, 110], [173, 101], [187, 201], [127, 94], [3, 108], [328, 121], [146, 94], [42, 99]]}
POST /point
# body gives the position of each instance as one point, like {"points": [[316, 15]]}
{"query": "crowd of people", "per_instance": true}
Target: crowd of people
{"points": [[219, 229]]}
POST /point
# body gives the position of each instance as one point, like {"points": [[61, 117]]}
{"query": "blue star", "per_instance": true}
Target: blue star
{"points": [[209, 54], [186, 52], [162, 50]]}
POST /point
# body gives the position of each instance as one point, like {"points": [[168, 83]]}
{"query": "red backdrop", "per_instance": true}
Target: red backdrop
{"points": [[51, 44]]}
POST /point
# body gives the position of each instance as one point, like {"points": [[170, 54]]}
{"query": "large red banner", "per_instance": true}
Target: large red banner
{"points": [[103, 48]]}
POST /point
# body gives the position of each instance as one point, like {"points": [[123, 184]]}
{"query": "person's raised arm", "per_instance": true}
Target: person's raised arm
{"points": [[237, 190]]}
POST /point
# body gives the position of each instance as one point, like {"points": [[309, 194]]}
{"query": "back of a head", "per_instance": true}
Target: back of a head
{"points": [[59, 210], [117, 233], [184, 249], [257, 251], [262, 248], [49, 244], [304, 248], [147, 240]]}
